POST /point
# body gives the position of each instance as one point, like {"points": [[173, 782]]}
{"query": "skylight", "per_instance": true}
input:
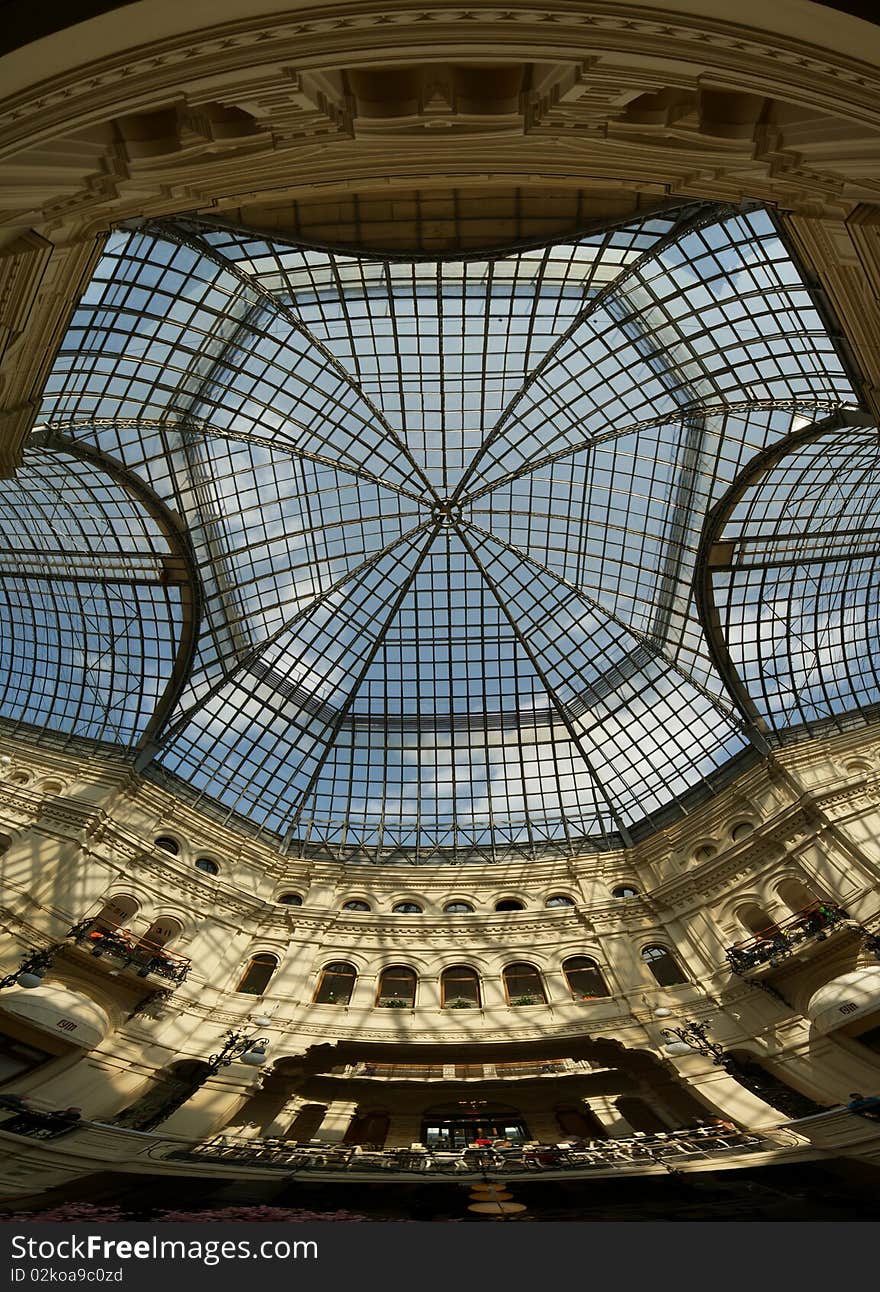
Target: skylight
{"points": [[444, 517]]}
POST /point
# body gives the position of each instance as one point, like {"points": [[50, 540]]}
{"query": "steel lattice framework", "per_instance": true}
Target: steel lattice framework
{"points": [[443, 521]]}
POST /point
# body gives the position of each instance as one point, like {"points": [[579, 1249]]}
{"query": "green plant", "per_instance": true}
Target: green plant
{"points": [[461, 1003], [524, 1000], [393, 1002]]}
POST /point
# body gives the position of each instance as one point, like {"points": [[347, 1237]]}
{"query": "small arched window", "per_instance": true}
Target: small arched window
{"points": [[459, 987], [52, 787], [406, 908], [167, 844], [336, 983], [509, 904], [663, 965], [207, 865], [523, 985], [624, 890], [458, 908], [584, 978], [258, 975], [355, 906], [397, 987], [290, 899], [742, 831], [706, 852], [560, 899]]}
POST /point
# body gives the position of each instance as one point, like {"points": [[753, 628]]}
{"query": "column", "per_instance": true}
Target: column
{"points": [[337, 1120], [605, 1109], [283, 1119]]}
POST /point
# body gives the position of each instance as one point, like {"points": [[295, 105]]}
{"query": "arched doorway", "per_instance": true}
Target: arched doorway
{"points": [[760, 1081], [641, 1116], [454, 1126], [579, 1122], [368, 1128], [306, 1123], [173, 1086]]}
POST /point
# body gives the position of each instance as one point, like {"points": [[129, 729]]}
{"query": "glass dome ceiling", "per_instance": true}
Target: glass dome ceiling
{"points": [[402, 563]]}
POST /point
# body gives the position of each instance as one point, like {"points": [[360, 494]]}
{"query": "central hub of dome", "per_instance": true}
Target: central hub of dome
{"points": [[446, 512]]}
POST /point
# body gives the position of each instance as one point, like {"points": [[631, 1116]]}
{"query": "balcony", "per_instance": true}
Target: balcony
{"points": [[125, 949], [775, 945]]}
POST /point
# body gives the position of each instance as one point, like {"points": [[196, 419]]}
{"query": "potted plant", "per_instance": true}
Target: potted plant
{"points": [[460, 1002], [524, 1000], [394, 1002]]}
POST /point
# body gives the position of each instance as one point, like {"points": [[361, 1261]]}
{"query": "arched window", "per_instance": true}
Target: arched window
{"points": [[162, 931], [754, 918], [258, 975], [167, 844], [116, 912], [458, 908], [624, 890], [663, 965], [742, 831], [207, 865], [52, 787], [523, 985], [397, 987], [584, 978], [706, 852], [406, 908], [355, 906], [560, 899], [796, 895], [336, 983], [290, 899], [509, 904], [459, 987]]}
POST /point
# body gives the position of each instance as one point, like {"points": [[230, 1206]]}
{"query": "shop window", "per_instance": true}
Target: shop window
{"points": [[397, 987], [355, 906], [406, 908], [207, 865], [523, 985], [167, 844], [458, 908], [509, 904], [560, 899], [336, 983], [663, 965], [258, 975], [624, 891], [460, 987], [290, 899], [584, 978]]}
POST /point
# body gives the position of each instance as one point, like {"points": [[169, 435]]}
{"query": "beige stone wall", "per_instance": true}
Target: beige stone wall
{"points": [[813, 818]]}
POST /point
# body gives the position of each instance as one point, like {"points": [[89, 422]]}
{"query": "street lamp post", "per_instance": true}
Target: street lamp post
{"points": [[32, 970], [694, 1036]]}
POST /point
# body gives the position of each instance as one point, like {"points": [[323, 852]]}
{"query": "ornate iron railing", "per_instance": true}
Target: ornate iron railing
{"points": [[779, 940], [131, 952]]}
